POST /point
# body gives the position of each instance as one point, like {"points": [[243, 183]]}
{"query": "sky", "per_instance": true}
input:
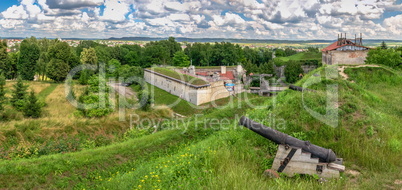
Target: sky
{"points": [[250, 19]]}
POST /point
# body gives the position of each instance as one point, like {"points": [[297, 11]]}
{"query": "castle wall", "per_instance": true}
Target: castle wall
{"points": [[194, 95], [344, 57]]}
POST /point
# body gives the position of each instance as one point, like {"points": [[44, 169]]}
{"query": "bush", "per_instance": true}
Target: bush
{"points": [[388, 57]]}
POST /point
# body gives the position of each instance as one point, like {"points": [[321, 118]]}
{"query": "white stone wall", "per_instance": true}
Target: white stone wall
{"points": [[196, 96]]}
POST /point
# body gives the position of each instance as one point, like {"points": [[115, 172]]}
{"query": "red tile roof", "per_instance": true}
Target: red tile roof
{"points": [[336, 46], [228, 76]]}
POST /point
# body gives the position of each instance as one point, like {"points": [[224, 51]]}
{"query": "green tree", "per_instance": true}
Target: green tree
{"points": [[88, 56], [29, 55], [3, 56], [292, 71], [250, 67], [132, 58], [145, 99], [384, 45], [267, 68], [10, 70], [113, 67], [389, 57], [32, 107], [181, 59], [126, 72], [19, 94], [2, 92], [63, 51], [84, 77], [57, 70]]}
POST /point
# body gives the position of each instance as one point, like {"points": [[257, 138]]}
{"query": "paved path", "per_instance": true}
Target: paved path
{"points": [[123, 90]]}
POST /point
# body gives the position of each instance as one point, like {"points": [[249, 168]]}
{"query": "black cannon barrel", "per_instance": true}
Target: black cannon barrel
{"points": [[325, 155]]}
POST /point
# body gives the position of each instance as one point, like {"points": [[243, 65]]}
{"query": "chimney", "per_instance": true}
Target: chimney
{"points": [[223, 69]]}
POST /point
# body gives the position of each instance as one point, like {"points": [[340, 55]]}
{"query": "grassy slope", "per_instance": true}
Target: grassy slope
{"points": [[213, 156], [302, 56]]}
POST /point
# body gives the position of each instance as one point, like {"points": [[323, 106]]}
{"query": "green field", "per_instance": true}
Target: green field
{"points": [[302, 56], [209, 150]]}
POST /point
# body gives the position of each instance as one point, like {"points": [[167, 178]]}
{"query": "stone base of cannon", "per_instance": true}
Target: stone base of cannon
{"points": [[292, 160]]}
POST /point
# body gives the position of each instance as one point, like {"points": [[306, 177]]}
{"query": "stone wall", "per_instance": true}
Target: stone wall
{"points": [[344, 57], [194, 94]]}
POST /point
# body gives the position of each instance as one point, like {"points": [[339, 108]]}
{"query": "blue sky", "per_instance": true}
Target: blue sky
{"points": [[253, 19]]}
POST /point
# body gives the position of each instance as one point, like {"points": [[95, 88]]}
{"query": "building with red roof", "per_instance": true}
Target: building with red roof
{"points": [[345, 51]]}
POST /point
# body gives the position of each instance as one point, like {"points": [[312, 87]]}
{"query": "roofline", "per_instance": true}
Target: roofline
{"points": [[177, 80], [346, 45]]}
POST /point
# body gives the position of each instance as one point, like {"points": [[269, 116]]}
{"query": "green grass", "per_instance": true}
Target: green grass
{"points": [[302, 56], [211, 151], [45, 92], [178, 105], [183, 77]]}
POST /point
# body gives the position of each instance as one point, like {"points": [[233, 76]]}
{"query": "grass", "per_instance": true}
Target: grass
{"points": [[302, 56], [183, 77], [178, 105], [210, 151]]}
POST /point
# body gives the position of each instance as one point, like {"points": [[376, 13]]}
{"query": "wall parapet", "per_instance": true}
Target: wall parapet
{"points": [[177, 80]]}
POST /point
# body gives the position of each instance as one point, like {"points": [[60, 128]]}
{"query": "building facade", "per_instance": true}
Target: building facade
{"points": [[345, 51]]}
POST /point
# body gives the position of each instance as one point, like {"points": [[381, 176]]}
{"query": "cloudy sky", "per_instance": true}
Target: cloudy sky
{"points": [[254, 19]]}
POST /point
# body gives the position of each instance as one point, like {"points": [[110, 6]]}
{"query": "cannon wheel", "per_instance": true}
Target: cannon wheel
{"points": [[271, 173]]}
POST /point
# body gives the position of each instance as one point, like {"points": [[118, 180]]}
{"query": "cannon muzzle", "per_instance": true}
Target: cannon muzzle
{"points": [[325, 155]]}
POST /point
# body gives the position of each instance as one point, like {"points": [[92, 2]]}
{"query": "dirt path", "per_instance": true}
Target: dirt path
{"points": [[341, 69], [123, 90]]}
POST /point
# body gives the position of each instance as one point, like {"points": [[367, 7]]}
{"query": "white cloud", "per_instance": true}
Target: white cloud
{"points": [[115, 11], [394, 24]]}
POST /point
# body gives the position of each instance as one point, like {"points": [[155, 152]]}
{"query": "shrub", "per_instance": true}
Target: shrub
{"points": [[32, 108], [19, 95]]}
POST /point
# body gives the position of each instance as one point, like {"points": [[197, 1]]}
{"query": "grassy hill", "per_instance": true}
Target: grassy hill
{"points": [[210, 151]]}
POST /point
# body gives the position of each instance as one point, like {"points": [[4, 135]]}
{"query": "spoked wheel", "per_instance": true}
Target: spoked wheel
{"points": [[271, 173]]}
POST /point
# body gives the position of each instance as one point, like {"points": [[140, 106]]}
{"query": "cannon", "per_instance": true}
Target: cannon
{"points": [[297, 156]]}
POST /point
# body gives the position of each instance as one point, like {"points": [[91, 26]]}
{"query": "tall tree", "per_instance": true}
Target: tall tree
{"points": [[2, 92], [29, 55], [19, 94], [63, 51], [292, 71], [11, 70], [3, 55], [384, 45], [57, 70], [88, 56], [267, 68], [180, 59]]}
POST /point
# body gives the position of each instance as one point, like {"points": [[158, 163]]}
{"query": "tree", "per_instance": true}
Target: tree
{"points": [[292, 71], [132, 58], [145, 99], [29, 55], [57, 70], [88, 56], [267, 68], [113, 67], [32, 107], [384, 45], [181, 59], [19, 94], [3, 56], [2, 92], [84, 77], [388, 57], [250, 67], [127, 72], [64, 52]]}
